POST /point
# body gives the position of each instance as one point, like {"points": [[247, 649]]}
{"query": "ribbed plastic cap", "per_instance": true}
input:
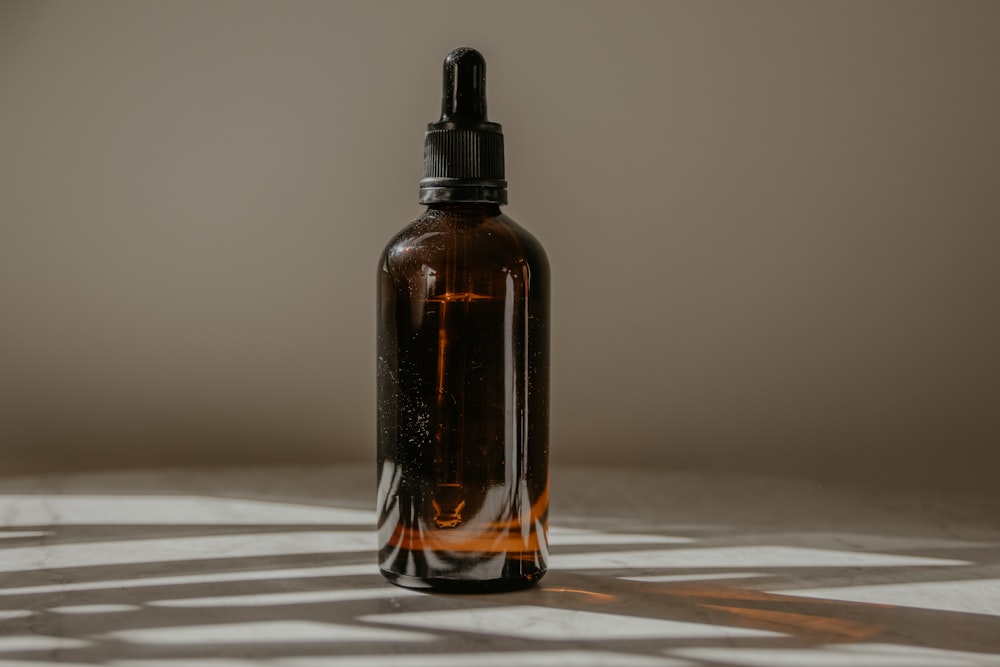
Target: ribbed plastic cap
{"points": [[463, 152]]}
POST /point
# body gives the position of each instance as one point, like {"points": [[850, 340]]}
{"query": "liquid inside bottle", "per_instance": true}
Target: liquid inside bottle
{"points": [[463, 402]]}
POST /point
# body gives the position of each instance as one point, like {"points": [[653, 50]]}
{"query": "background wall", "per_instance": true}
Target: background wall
{"points": [[774, 227]]}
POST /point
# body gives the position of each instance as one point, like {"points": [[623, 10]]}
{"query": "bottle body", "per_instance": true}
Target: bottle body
{"points": [[463, 402]]}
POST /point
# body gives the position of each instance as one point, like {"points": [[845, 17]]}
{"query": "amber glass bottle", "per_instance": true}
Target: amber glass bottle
{"points": [[463, 368]]}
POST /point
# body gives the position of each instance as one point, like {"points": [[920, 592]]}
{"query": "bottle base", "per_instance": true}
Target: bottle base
{"points": [[440, 585]]}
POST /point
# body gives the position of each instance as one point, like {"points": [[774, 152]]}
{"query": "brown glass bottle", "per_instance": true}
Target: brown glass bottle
{"points": [[462, 376]]}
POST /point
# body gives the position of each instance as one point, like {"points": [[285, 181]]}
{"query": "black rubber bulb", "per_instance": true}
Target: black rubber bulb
{"points": [[464, 86]]}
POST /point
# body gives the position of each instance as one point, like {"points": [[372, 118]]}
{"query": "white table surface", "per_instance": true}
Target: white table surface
{"points": [[275, 566]]}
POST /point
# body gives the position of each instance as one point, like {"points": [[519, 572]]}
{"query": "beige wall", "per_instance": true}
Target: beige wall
{"points": [[773, 226]]}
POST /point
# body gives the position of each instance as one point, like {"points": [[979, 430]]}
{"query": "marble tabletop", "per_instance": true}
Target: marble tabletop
{"points": [[275, 566]]}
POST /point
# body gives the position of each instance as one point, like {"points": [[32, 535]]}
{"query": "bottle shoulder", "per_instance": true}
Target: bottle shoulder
{"points": [[434, 239]]}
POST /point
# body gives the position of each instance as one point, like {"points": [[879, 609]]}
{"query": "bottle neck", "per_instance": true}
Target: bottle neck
{"points": [[467, 209]]}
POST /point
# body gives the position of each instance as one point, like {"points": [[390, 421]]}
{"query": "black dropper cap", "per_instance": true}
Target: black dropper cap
{"points": [[463, 152]]}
